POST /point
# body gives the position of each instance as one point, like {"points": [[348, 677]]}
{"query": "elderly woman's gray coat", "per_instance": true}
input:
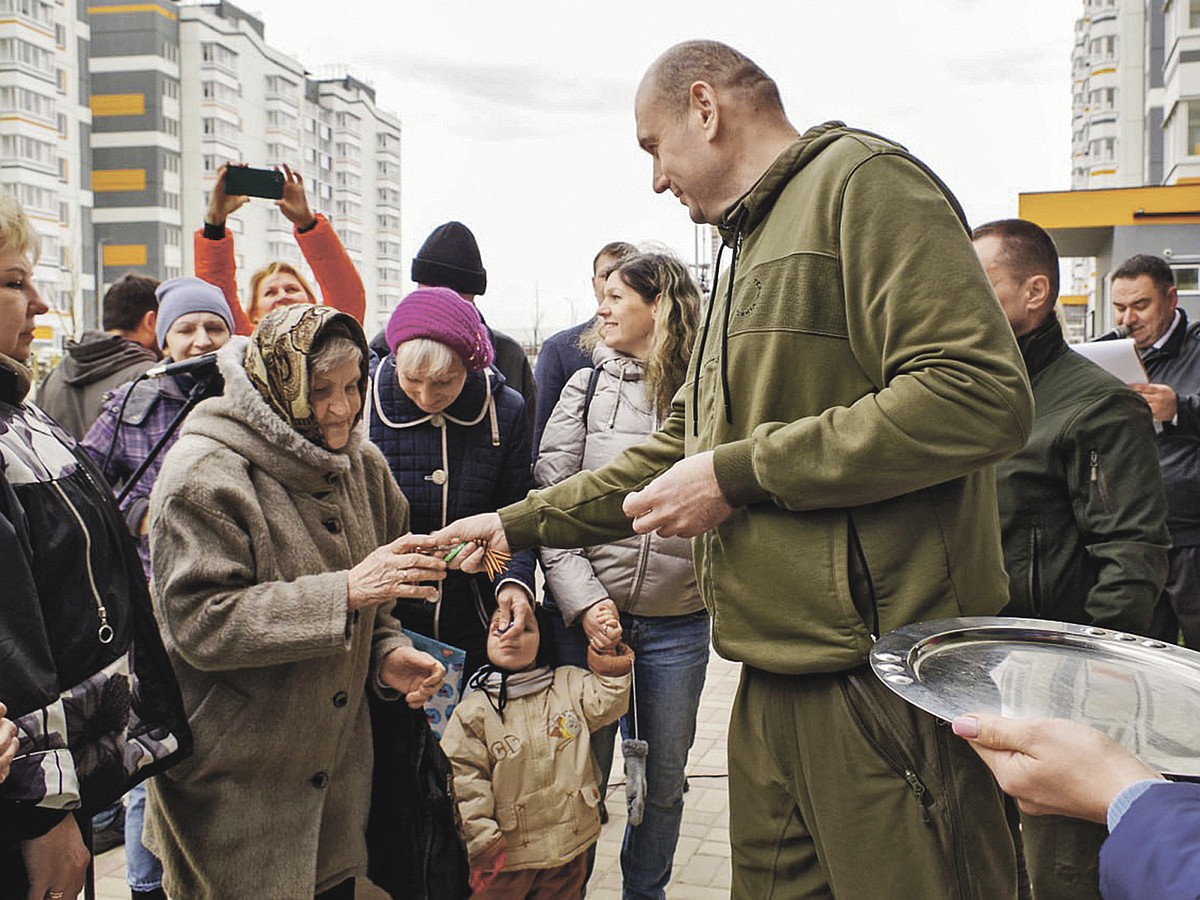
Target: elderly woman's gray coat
{"points": [[253, 530], [645, 575]]}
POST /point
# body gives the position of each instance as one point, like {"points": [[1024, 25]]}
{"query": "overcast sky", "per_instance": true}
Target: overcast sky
{"points": [[518, 115]]}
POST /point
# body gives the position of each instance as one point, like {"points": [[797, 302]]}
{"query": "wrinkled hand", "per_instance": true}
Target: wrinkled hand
{"points": [[396, 570], [480, 532], [413, 673], [602, 624], [8, 743], [1053, 766], [294, 203], [221, 205], [683, 501], [57, 861], [485, 873], [1163, 401]]}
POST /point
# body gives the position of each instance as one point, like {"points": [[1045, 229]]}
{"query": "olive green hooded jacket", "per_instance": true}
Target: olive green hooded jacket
{"points": [[857, 380]]}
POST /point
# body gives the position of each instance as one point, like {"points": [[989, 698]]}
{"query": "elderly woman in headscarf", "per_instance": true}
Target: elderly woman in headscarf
{"points": [[278, 545]]}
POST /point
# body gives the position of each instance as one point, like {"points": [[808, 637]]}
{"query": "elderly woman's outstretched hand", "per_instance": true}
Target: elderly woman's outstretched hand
{"points": [[415, 674], [396, 570]]}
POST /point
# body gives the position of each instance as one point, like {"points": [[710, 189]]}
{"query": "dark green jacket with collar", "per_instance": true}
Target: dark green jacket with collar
{"points": [[1081, 506], [872, 382]]}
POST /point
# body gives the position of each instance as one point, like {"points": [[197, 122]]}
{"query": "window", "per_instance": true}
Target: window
{"points": [[1194, 14], [22, 100], [27, 56], [1193, 128], [31, 150]]}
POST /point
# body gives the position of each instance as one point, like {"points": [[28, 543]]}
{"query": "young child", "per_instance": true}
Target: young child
{"points": [[523, 774]]}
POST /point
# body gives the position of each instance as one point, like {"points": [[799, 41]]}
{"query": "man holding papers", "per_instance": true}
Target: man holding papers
{"points": [[1145, 300]]}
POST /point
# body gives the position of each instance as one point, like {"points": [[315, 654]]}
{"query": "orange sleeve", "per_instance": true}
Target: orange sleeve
{"points": [[215, 264], [341, 286]]}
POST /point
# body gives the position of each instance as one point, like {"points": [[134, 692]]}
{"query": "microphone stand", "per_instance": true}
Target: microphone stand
{"points": [[195, 395]]}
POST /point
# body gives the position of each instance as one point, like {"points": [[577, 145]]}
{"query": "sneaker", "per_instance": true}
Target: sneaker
{"points": [[111, 835]]}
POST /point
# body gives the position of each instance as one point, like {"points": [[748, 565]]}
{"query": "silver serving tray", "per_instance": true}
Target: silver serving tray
{"points": [[1143, 693]]}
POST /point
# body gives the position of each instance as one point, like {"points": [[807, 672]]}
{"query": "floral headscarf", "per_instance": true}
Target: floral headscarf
{"points": [[277, 360]]}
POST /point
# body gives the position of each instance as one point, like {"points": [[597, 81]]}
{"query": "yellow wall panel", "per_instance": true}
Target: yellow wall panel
{"points": [[107, 180], [118, 104], [124, 254], [131, 8]]}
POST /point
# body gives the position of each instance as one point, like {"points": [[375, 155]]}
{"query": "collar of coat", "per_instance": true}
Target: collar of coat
{"points": [[15, 380], [394, 407], [242, 420], [1042, 346]]}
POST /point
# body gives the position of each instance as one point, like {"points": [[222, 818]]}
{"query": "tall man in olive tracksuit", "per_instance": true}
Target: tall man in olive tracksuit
{"points": [[831, 454], [1082, 510], [1146, 302]]}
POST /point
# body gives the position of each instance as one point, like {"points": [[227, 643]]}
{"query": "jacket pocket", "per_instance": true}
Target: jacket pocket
{"points": [[886, 736], [584, 817], [1097, 481], [862, 590], [212, 719], [511, 819]]}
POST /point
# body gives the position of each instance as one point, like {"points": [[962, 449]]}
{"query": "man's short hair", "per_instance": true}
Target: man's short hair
{"points": [[1146, 264], [1027, 250], [673, 73], [617, 251], [127, 302]]}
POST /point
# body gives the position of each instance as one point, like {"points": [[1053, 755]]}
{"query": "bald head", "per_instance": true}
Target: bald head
{"points": [[669, 78]]}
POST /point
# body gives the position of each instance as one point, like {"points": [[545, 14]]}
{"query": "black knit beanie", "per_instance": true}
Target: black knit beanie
{"points": [[450, 258]]}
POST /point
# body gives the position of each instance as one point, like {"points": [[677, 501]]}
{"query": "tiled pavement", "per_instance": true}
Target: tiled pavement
{"points": [[702, 857]]}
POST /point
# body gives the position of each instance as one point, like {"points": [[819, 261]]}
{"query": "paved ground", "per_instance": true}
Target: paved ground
{"points": [[702, 858]]}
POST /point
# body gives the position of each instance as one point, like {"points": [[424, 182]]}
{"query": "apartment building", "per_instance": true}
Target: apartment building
{"points": [[246, 102], [1135, 117], [44, 147]]}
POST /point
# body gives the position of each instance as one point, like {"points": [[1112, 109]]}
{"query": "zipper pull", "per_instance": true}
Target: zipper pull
{"points": [[105, 632], [1095, 467]]}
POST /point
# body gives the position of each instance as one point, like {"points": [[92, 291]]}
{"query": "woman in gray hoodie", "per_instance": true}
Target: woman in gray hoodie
{"points": [[643, 340]]}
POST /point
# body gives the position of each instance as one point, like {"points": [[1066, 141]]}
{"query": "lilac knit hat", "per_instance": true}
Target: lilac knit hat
{"points": [[441, 315]]}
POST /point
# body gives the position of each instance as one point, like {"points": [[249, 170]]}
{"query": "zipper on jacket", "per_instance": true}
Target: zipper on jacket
{"points": [[105, 632], [639, 577], [917, 786], [1097, 478], [1031, 587]]}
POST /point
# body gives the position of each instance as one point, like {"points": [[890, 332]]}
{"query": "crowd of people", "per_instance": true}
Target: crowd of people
{"points": [[224, 528]]}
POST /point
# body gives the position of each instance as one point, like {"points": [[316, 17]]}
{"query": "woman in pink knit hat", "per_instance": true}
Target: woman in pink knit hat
{"points": [[457, 440]]}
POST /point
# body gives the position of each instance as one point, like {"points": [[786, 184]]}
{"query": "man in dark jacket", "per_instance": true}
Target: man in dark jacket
{"points": [[450, 258], [1144, 296], [560, 355], [1082, 511], [101, 361]]}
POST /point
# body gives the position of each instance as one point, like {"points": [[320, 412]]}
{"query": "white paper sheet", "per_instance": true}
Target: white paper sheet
{"points": [[1117, 357]]}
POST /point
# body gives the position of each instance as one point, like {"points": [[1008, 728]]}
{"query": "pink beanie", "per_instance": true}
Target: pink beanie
{"points": [[441, 315]]}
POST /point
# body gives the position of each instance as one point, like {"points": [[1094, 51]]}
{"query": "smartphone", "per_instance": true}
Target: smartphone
{"points": [[244, 181]]}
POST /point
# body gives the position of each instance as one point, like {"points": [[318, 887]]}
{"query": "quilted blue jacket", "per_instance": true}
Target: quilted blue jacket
{"points": [[473, 457]]}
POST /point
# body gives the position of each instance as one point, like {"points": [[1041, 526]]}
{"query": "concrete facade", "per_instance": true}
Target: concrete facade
{"points": [[44, 157]]}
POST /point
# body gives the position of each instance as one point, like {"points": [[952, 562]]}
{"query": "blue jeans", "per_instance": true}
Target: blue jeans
{"points": [[143, 871], [668, 677]]}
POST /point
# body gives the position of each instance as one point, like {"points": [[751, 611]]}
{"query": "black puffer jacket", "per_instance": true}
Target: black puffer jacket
{"points": [[94, 717]]}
